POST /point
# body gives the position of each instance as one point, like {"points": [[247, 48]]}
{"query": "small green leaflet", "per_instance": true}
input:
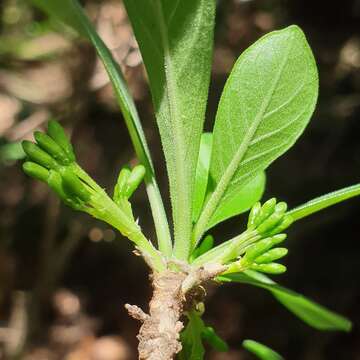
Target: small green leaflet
{"points": [[261, 351], [265, 106], [311, 313], [71, 13], [324, 201], [176, 40], [193, 335], [191, 339]]}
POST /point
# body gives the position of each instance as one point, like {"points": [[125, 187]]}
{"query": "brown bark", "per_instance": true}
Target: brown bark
{"points": [[159, 335], [160, 332]]}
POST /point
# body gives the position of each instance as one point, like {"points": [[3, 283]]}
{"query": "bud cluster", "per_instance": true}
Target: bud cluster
{"points": [[51, 159], [268, 221]]}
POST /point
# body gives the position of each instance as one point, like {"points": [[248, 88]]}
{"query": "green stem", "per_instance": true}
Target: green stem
{"points": [[229, 249]]}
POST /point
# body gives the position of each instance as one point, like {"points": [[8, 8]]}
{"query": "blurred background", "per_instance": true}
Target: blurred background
{"points": [[65, 277]]}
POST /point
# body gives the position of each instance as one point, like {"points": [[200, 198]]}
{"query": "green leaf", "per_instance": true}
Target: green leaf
{"points": [[241, 201], [310, 312], [261, 351], [202, 174], [175, 39], [214, 339], [191, 338], [71, 13], [10, 152], [266, 104], [324, 201]]}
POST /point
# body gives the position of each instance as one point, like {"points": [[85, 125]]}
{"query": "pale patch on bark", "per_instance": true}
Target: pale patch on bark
{"points": [[159, 335]]}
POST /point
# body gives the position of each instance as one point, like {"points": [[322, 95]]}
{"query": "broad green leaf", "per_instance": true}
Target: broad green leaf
{"points": [[324, 201], [241, 201], [261, 351], [311, 313], [175, 39], [266, 104], [202, 174], [71, 13]]}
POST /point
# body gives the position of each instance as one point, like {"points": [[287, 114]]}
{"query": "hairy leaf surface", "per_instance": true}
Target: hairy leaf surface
{"points": [[175, 39], [267, 102]]}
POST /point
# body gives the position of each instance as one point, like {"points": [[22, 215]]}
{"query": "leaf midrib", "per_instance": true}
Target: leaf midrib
{"points": [[183, 222], [229, 173]]}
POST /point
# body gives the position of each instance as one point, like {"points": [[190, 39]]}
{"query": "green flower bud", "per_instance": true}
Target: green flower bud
{"points": [[266, 210], [284, 224], [281, 207], [271, 268], [278, 238], [55, 183], [57, 133], [38, 155], [119, 190], [134, 180], [258, 249], [267, 225], [36, 171], [51, 147], [271, 255], [75, 186], [254, 213]]}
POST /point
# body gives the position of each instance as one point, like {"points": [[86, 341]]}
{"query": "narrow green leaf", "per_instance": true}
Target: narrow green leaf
{"points": [[310, 312], [214, 339], [241, 201], [266, 104], [175, 39], [202, 174], [324, 201], [261, 351], [70, 13], [191, 338]]}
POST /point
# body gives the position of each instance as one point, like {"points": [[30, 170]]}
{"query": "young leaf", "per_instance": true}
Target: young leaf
{"points": [[324, 201], [71, 13], [241, 201], [266, 104], [202, 174], [175, 39], [261, 351], [311, 313], [191, 339]]}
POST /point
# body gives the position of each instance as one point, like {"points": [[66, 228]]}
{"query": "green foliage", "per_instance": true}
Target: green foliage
{"points": [[70, 13], [52, 161], [311, 313], [193, 336], [176, 45], [324, 201], [261, 351], [265, 105]]}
